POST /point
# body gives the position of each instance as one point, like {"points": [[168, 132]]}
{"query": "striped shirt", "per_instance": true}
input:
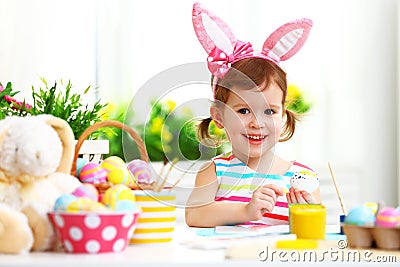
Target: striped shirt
{"points": [[237, 182]]}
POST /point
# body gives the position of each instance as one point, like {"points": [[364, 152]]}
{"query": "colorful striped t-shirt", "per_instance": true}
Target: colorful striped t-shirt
{"points": [[237, 182]]}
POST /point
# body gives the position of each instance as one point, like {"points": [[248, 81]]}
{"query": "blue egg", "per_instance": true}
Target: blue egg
{"points": [[80, 162], [361, 216], [63, 201], [126, 205]]}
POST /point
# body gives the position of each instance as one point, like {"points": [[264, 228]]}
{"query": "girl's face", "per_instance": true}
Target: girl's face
{"points": [[252, 120]]}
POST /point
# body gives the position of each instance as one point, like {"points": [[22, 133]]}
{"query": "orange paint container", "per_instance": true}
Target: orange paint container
{"points": [[307, 221]]}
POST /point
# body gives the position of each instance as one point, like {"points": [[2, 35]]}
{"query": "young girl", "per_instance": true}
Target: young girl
{"points": [[250, 183]]}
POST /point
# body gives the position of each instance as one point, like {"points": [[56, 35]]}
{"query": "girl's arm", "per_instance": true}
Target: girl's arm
{"points": [[203, 211]]}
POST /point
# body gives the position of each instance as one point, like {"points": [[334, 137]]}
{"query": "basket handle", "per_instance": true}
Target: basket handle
{"points": [[112, 123]]}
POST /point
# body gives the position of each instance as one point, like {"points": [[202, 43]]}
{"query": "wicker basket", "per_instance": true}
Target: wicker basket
{"points": [[102, 187], [157, 219]]}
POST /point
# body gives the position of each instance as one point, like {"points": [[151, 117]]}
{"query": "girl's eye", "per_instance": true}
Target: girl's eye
{"points": [[269, 112], [244, 111]]}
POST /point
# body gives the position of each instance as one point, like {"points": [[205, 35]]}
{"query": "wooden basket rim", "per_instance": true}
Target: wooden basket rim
{"points": [[109, 123]]}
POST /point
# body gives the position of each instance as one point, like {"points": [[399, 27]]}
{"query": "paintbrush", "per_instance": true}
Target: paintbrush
{"points": [[164, 179], [165, 160], [337, 190], [183, 175]]}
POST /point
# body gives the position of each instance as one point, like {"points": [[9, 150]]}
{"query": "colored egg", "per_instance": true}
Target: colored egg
{"points": [[98, 207], [63, 201], [80, 162], [101, 196], [80, 204], [112, 162], [115, 193], [361, 216], [305, 180], [121, 176], [86, 190], [93, 173], [126, 205], [141, 171], [373, 206], [388, 217]]}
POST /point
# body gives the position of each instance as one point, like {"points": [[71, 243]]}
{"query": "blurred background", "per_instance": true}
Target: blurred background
{"points": [[348, 70]]}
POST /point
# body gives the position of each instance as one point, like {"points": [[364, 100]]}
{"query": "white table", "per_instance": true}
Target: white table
{"points": [[172, 253], [167, 254]]}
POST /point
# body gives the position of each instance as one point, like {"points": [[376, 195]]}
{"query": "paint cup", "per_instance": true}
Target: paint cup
{"points": [[341, 219], [157, 220], [307, 221]]}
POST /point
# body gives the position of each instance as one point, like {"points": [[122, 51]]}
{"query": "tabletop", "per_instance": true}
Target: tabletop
{"points": [[181, 252]]}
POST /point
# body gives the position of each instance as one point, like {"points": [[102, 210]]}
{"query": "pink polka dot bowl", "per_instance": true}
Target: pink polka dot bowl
{"points": [[92, 233]]}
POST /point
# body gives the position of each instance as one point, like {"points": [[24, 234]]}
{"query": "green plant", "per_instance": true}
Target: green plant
{"points": [[296, 100], [69, 106], [171, 133], [59, 102], [9, 106], [167, 134]]}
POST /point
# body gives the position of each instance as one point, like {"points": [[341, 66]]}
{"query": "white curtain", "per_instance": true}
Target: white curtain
{"points": [[50, 39]]}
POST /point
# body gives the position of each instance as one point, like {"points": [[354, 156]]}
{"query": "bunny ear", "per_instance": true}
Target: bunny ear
{"points": [[67, 138], [287, 40], [3, 135], [212, 31]]}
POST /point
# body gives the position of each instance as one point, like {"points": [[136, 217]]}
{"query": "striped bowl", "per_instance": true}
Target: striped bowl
{"points": [[157, 220]]}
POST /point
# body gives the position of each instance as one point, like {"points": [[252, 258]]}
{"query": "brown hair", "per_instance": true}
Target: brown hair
{"points": [[260, 72]]}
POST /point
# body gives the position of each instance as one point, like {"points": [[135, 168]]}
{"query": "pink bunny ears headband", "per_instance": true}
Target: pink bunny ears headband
{"points": [[224, 49]]}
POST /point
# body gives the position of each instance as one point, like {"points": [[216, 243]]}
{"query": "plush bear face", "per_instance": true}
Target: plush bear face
{"points": [[30, 147]]}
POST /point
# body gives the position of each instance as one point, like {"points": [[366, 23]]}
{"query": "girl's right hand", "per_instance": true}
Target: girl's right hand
{"points": [[263, 200]]}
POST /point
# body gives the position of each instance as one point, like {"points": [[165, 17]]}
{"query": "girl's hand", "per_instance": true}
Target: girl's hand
{"points": [[263, 200], [299, 196]]}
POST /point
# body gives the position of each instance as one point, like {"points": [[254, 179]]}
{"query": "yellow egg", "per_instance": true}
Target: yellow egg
{"points": [[115, 193], [112, 162], [80, 204], [120, 176], [97, 206]]}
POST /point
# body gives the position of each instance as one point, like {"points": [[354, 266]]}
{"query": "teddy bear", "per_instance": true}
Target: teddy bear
{"points": [[36, 155]]}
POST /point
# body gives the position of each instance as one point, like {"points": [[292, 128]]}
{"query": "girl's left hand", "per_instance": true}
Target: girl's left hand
{"points": [[299, 196]]}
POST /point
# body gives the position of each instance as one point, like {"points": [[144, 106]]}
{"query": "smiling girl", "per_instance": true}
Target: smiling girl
{"points": [[250, 184]]}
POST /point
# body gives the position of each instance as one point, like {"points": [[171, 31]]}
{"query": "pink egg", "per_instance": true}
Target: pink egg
{"points": [[93, 173], [388, 217], [86, 190], [141, 170]]}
